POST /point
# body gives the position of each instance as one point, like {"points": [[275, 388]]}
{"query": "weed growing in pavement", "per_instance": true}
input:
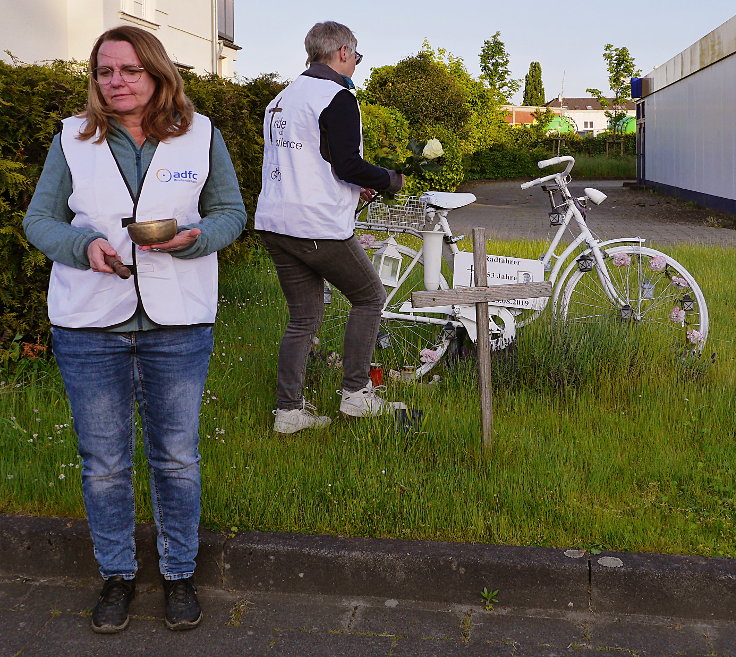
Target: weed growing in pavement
{"points": [[489, 598]]}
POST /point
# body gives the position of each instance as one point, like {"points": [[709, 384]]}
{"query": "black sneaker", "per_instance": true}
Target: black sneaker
{"points": [[110, 614], [182, 607]]}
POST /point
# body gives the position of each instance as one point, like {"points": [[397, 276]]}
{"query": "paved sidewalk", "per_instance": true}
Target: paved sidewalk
{"points": [[326, 596], [508, 212], [50, 618]]}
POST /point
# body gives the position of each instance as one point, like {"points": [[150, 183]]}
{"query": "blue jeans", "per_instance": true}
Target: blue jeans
{"points": [[164, 372]]}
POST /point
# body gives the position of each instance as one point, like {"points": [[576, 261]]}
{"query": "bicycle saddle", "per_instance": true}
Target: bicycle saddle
{"points": [[448, 200]]}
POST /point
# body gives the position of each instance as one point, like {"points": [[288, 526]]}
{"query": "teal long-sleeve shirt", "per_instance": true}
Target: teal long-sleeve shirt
{"points": [[47, 223]]}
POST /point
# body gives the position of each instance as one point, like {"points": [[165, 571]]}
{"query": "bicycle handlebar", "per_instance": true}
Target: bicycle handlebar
{"points": [[548, 163]]}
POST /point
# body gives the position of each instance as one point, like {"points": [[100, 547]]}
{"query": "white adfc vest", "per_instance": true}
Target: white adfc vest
{"points": [[173, 291], [300, 194]]}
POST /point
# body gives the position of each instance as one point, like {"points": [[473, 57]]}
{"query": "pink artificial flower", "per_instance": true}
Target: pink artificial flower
{"points": [[367, 240], [696, 337], [658, 263], [429, 356], [680, 282], [677, 315], [621, 259]]}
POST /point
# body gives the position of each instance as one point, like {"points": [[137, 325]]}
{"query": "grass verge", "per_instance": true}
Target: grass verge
{"points": [[599, 442]]}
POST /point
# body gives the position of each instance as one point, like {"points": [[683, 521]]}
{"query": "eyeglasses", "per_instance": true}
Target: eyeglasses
{"points": [[358, 56], [130, 74]]}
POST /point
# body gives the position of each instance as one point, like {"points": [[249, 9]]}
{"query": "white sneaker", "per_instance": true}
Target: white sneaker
{"points": [[365, 402], [298, 419]]}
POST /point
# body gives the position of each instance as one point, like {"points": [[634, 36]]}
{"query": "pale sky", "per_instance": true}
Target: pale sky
{"points": [[567, 38]]}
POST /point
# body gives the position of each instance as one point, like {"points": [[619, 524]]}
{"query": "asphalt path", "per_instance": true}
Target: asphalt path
{"points": [[508, 212]]}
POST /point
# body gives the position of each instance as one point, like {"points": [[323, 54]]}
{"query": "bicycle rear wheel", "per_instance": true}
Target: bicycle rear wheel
{"points": [[654, 290], [410, 341]]}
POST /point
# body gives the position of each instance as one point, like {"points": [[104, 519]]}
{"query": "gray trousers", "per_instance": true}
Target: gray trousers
{"points": [[302, 266]]}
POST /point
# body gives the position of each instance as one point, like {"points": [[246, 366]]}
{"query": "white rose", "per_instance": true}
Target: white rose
{"points": [[432, 149]]}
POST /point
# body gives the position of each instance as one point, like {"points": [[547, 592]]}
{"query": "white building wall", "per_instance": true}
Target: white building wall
{"points": [[691, 134], [33, 31], [42, 30], [597, 117]]}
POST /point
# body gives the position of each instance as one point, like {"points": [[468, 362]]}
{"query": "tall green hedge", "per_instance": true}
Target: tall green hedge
{"points": [[33, 100], [517, 157]]}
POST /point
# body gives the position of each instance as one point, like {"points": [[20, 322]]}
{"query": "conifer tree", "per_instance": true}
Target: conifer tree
{"points": [[533, 88]]}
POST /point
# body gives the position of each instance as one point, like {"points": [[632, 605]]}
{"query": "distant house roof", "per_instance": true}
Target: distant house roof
{"points": [[583, 104]]}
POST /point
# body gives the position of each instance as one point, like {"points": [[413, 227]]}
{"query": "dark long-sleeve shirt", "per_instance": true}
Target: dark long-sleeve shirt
{"points": [[340, 136]]}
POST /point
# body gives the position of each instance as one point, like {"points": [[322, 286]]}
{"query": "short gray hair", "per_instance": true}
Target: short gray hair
{"points": [[324, 39]]}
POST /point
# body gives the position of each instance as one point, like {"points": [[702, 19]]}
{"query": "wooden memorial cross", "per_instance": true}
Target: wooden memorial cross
{"points": [[481, 295]]}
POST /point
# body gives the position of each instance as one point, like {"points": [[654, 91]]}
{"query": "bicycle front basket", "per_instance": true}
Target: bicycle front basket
{"points": [[403, 211]]}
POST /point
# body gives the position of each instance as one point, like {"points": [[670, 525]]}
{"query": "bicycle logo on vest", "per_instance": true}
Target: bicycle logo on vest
{"points": [[164, 175], [276, 174]]}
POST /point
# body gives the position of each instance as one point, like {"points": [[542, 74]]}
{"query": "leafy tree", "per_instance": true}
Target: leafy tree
{"points": [[533, 87], [621, 68], [543, 118], [485, 125], [495, 71], [422, 90]]}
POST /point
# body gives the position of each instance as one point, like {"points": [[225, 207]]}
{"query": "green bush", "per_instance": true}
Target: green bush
{"points": [[485, 124], [504, 161], [422, 90], [385, 133], [576, 145], [33, 99], [452, 172], [517, 157]]}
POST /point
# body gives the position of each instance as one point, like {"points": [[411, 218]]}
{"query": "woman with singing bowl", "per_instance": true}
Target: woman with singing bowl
{"points": [[132, 322]]}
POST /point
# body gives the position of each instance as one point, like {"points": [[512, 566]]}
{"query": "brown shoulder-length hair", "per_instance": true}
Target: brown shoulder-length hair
{"points": [[169, 112]]}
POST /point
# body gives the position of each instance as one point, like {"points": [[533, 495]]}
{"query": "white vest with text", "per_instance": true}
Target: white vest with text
{"points": [[172, 291], [300, 194]]}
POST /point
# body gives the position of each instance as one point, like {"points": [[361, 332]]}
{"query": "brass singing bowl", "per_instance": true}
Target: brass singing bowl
{"points": [[144, 233]]}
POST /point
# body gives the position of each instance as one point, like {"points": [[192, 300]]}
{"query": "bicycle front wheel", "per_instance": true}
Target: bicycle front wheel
{"points": [[651, 289], [410, 341]]}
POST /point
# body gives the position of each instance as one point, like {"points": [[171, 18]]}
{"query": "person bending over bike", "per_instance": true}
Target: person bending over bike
{"points": [[313, 175]]}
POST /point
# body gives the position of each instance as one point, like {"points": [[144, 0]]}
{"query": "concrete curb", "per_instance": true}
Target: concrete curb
{"points": [[527, 577]]}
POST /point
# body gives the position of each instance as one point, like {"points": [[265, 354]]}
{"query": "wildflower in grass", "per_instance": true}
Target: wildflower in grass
{"points": [[367, 240], [62, 476], [621, 259], [696, 337], [334, 360], [680, 282], [429, 355], [677, 315], [658, 263]]}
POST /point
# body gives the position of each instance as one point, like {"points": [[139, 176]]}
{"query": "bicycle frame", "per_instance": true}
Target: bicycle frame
{"points": [[584, 236], [557, 276]]}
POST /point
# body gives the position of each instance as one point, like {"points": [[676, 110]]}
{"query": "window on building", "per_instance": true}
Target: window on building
{"points": [[226, 20], [587, 125], [145, 9]]}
